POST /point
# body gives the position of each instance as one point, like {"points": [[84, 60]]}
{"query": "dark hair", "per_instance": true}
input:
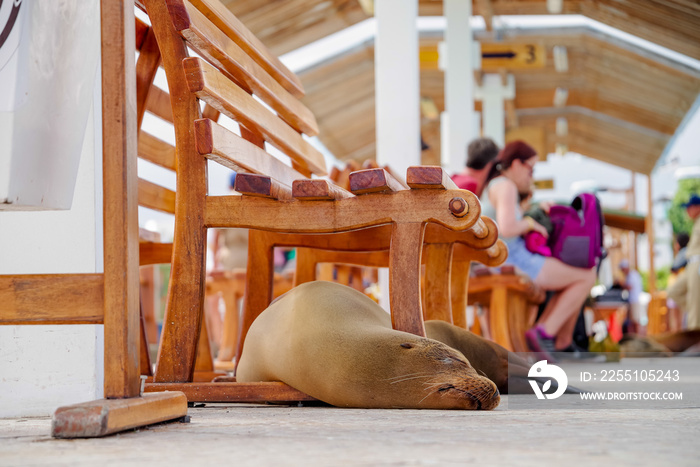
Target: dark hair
{"points": [[515, 150], [480, 152], [682, 239]]}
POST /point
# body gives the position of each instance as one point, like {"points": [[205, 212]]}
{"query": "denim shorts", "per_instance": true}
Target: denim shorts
{"points": [[520, 257]]}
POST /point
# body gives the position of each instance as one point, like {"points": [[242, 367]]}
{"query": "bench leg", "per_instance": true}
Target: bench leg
{"points": [[498, 317], [259, 279], [438, 265], [404, 277], [459, 283], [305, 267]]}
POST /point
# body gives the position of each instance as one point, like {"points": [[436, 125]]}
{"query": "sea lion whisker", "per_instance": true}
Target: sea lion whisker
{"points": [[429, 394], [432, 384], [408, 374], [412, 377]]}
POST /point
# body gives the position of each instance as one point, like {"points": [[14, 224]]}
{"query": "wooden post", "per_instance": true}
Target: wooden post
{"points": [[121, 247], [650, 237]]}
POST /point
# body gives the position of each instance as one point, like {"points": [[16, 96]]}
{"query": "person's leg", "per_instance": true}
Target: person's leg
{"points": [[693, 296], [679, 291], [574, 285], [565, 335]]}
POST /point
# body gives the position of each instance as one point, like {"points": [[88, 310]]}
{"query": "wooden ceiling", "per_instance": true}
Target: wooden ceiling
{"points": [[623, 106], [624, 103], [285, 25]]}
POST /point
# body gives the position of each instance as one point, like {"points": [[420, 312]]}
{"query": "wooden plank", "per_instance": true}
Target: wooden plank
{"points": [[120, 193], [404, 278], [52, 299], [183, 314], [227, 22], [459, 281], [318, 189], [213, 44], [233, 392], [105, 417], [156, 151], [343, 215], [259, 280], [207, 83], [438, 267], [156, 197], [141, 31], [158, 103], [374, 181], [146, 67], [261, 185], [155, 253], [230, 150], [429, 177], [625, 221]]}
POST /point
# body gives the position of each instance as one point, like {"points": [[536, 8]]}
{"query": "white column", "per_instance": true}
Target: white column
{"points": [[459, 83], [493, 93], [397, 92]]}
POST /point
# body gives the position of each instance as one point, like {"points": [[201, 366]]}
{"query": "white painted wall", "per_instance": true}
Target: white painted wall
{"points": [[44, 367]]}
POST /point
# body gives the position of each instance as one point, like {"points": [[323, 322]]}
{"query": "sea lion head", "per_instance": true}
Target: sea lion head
{"points": [[425, 373]]}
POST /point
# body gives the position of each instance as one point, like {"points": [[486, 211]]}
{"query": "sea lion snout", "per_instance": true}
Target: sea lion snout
{"points": [[455, 383]]}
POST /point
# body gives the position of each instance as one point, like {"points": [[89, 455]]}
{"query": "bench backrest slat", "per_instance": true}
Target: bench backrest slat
{"points": [[156, 197], [218, 14], [234, 152], [213, 44], [156, 151], [211, 86], [158, 103]]}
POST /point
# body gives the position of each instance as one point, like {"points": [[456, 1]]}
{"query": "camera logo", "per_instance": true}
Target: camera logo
{"points": [[542, 369]]}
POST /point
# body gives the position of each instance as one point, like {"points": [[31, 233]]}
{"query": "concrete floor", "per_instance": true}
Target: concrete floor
{"points": [[266, 435]]}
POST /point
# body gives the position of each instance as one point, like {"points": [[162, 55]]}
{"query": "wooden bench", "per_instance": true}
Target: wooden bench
{"points": [[511, 300], [275, 197]]}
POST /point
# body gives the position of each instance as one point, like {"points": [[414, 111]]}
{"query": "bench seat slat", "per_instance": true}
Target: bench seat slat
{"points": [[211, 43], [318, 190], [156, 197], [218, 14], [230, 150], [373, 181], [210, 85], [429, 177]]}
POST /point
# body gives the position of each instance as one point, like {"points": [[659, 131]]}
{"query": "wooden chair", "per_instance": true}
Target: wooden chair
{"points": [[110, 298], [233, 66], [511, 300]]}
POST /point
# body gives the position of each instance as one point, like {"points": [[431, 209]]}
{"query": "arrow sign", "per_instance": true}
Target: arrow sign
{"points": [[498, 55], [495, 56]]}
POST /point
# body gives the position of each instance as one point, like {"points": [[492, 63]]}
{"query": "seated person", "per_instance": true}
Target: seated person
{"points": [[512, 175], [480, 156]]}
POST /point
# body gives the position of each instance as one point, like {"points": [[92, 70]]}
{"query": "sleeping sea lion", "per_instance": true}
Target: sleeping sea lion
{"points": [[337, 345]]}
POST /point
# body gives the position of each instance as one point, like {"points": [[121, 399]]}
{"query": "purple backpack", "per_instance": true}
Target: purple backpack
{"points": [[577, 236]]}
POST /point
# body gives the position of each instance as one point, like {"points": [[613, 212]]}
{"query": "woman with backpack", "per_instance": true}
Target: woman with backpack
{"points": [[511, 176]]}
